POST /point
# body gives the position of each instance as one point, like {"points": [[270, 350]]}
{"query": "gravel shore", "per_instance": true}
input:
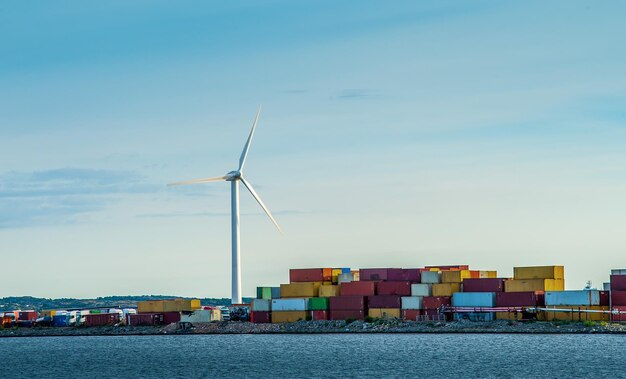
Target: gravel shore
{"points": [[316, 327]]}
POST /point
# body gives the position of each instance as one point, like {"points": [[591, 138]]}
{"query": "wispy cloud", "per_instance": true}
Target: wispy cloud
{"points": [[58, 196], [354, 93]]}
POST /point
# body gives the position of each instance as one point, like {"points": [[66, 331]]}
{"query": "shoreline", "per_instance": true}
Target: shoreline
{"points": [[327, 327]]}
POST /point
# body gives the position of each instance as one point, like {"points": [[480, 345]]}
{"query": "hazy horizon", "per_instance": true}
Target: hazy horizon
{"points": [[392, 135]]}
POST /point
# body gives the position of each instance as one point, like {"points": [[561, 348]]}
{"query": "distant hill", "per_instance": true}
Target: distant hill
{"points": [[29, 302]]}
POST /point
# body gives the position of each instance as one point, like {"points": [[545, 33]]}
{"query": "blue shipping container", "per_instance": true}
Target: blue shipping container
{"points": [[345, 270], [580, 298], [474, 299], [275, 292], [61, 320]]}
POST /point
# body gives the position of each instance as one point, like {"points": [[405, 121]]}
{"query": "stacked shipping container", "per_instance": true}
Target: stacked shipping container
{"points": [[618, 294]]}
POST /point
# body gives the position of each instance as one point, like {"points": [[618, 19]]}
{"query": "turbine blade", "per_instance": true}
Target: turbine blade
{"points": [[244, 153], [258, 200], [194, 181]]}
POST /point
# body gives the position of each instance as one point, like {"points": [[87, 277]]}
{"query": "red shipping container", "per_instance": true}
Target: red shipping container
{"points": [[618, 297], [605, 298], [170, 317], [342, 303], [618, 282], [261, 317], [484, 285], [357, 289], [620, 317], [436, 302], [388, 301], [519, 299], [319, 315], [144, 319], [346, 314], [310, 275], [411, 314], [373, 274], [394, 288], [27, 316], [404, 274], [475, 274], [451, 268], [102, 319]]}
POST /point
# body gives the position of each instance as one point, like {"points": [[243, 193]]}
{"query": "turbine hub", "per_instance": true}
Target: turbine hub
{"points": [[233, 175]]}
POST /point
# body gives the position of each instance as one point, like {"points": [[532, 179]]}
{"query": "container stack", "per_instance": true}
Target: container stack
{"points": [[158, 312], [425, 293], [618, 294], [567, 306], [536, 278], [527, 289]]}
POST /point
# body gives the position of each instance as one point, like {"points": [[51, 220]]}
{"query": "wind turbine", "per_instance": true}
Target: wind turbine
{"points": [[234, 177]]}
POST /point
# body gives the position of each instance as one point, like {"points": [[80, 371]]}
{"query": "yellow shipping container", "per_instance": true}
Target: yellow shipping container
{"points": [[455, 276], [174, 305], [335, 275], [576, 315], [487, 274], [516, 316], [445, 289], [187, 305], [151, 306], [48, 312], [515, 285], [328, 291], [301, 289], [384, 312], [539, 272], [288, 316]]}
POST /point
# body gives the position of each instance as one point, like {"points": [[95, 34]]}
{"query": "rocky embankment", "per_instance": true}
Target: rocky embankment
{"points": [[316, 327]]}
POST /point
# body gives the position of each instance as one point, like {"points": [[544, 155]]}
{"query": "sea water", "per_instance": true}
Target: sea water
{"points": [[316, 356]]}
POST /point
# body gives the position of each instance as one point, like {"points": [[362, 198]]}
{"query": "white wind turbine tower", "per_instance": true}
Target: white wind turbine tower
{"points": [[234, 177]]}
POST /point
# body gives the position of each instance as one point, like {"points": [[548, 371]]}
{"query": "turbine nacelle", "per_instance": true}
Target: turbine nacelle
{"points": [[233, 175]]}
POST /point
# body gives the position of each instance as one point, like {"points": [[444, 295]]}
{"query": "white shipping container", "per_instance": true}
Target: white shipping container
{"points": [[292, 304], [580, 298], [431, 277], [606, 286], [261, 305], [199, 315], [412, 302], [421, 289], [345, 278], [618, 271]]}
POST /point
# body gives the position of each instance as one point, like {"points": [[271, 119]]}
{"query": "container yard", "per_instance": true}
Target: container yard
{"points": [[437, 293], [426, 294]]}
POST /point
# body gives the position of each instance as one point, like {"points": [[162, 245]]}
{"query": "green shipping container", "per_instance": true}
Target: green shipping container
{"points": [[318, 303], [264, 293]]}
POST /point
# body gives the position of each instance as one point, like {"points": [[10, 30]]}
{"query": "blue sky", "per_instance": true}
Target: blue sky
{"points": [[402, 134]]}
